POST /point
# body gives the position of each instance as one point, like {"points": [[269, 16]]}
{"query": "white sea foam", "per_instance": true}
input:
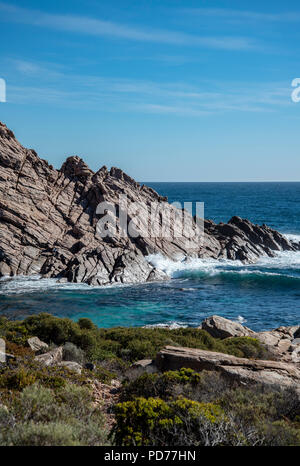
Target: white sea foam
{"points": [[292, 237], [170, 325], [282, 262], [173, 268], [23, 284], [240, 320]]}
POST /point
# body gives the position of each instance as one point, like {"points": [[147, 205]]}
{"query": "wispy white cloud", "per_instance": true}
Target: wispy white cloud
{"points": [[98, 27], [34, 69], [64, 88], [244, 15]]}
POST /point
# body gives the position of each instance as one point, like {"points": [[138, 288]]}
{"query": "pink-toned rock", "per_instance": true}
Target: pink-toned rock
{"points": [[219, 327], [242, 370]]}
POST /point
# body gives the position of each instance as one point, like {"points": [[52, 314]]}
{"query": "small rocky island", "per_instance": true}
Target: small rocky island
{"points": [[48, 221]]}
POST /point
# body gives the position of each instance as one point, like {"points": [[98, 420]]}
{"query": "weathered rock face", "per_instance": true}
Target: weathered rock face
{"points": [[51, 358], [219, 327], [36, 344], [71, 365], [282, 342], [242, 240], [246, 371], [48, 222]]}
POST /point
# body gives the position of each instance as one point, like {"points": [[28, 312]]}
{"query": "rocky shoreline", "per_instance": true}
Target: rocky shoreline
{"points": [[48, 221], [282, 368]]}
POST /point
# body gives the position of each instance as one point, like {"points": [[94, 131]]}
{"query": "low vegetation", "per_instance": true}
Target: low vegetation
{"points": [[125, 344], [187, 408], [42, 405]]}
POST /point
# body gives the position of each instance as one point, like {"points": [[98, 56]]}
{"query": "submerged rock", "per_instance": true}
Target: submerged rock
{"points": [[49, 218]]}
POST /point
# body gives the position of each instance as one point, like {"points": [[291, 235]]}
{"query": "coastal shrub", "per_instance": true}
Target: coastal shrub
{"points": [[36, 403], [17, 379], [128, 344], [154, 421], [103, 375], [246, 347], [40, 416], [256, 415], [18, 350], [86, 324], [72, 353], [41, 435], [253, 404], [279, 434], [13, 331], [206, 386], [51, 329], [22, 373]]}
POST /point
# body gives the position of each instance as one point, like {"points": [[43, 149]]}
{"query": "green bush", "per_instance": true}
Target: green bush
{"points": [[153, 421], [86, 324], [40, 416], [128, 344], [72, 353], [204, 386], [17, 379]]}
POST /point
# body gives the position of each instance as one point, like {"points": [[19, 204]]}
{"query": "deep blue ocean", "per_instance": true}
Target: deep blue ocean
{"points": [[264, 295]]}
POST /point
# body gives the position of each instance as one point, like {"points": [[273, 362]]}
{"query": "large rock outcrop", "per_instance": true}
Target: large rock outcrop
{"points": [[283, 342], [219, 327], [48, 221], [241, 370]]}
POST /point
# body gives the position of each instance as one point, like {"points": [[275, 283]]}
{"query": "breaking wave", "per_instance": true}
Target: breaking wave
{"points": [[281, 270]]}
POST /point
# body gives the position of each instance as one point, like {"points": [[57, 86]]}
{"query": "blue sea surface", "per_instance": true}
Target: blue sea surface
{"points": [[263, 295]]}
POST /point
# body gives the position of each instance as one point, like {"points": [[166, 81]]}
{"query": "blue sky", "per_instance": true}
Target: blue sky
{"points": [[168, 90]]}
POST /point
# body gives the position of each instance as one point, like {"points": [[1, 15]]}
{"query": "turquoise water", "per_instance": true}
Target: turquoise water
{"points": [[263, 295]]}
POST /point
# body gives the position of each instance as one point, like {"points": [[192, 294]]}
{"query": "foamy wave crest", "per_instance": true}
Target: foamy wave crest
{"points": [[240, 320], [283, 260], [292, 237], [169, 325], [281, 264], [175, 268], [22, 284]]}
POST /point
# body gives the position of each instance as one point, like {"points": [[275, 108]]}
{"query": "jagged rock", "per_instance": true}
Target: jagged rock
{"points": [[280, 342], [72, 365], [49, 218], [51, 358], [242, 370], [36, 344], [219, 327]]}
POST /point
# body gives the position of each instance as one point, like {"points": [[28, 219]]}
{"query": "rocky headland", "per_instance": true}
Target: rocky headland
{"points": [[48, 222]]}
